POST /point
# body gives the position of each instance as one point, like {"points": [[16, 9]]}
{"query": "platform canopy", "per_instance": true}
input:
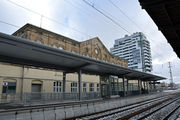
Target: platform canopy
{"points": [[166, 15], [24, 52]]}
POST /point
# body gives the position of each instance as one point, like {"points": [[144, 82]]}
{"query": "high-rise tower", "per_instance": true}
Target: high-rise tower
{"points": [[136, 49]]}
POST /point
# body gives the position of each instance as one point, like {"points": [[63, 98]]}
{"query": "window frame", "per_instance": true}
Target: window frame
{"points": [[5, 88], [84, 87], [91, 87], [57, 86], [98, 87], [74, 87]]}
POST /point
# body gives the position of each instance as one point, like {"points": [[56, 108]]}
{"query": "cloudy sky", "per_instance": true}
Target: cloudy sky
{"points": [[77, 20]]}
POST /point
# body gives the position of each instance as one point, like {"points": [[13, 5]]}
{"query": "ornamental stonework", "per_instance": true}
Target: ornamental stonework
{"points": [[93, 48]]}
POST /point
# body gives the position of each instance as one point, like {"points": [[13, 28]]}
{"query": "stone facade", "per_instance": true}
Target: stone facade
{"points": [[93, 48], [25, 78]]}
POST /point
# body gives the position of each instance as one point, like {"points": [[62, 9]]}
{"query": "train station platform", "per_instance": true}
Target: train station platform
{"points": [[74, 109]]}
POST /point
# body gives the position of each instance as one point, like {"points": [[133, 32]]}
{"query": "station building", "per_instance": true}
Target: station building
{"points": [[27, 79]]}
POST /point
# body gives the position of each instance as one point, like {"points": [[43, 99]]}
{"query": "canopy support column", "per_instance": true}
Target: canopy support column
{"points": [[127, 83], [124, 90], [144, 86], [110, 88], [154, 85], [79, 83], [118, 86], [64, 82], [147, 85], [139, 86], [64, 85]]}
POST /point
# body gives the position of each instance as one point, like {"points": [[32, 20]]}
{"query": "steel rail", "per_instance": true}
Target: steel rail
{"points": [[101, 116], [145, 116]]}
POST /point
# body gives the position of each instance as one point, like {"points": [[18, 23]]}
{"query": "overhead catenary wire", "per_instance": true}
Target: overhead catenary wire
{"points": [[113, 17], [132, 21], [49, 18], [77, 6], [56, 21], [40, 15], [99, 10], [9, 24], [120, 10], [105, 14], [108, 17]]}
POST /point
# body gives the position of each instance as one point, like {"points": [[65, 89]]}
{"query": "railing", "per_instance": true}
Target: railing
{"points": [[10, 98], [91, 95], [35, 98]]}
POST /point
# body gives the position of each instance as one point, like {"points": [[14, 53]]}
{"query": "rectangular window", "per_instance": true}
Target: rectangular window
{"points": [[84, 87], [73, 87], [57, 86], [91, 87], [97, 87], [9, 87]]}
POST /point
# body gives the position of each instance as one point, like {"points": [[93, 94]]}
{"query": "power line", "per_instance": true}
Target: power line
{"points": [[56, 21], [86, 13], [110, 15], [134, 23], [115, 21], [51, 19], [19, 27], [112, 20], [24, 7], [125, 15], [128, 18], [9, 24]]}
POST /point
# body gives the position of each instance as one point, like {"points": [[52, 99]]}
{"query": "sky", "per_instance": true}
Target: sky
{"points": [[76, 20]]}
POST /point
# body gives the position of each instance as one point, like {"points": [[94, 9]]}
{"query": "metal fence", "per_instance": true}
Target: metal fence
{"points": [[35, 98], [10, 98]]}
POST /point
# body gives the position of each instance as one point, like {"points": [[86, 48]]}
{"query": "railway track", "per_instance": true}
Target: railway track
{"points": [[174, 114], [157, 109], [146, 109]]}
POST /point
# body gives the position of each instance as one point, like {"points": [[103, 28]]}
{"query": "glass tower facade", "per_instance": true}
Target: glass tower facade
{"points": [[136, 49]]}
